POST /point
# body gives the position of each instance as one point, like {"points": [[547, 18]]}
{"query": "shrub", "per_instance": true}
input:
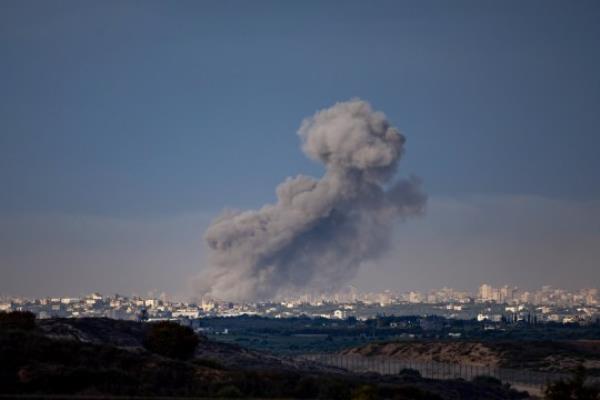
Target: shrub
{"points": [[333, 389], [573, 388], [171, 340], [306, 388], [364, 392], [209, 363], [229, 392], [24, 320], [486, 380], [414, 393], [409, 372]]}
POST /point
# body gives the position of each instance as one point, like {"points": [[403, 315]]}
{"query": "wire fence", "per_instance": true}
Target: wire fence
{"points": [[436, 370]]}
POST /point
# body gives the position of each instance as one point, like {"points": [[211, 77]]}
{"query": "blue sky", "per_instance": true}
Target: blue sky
{"points": [[137, 113]]}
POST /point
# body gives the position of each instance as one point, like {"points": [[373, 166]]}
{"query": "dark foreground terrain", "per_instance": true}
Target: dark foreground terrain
{"points": [[102, 357]]}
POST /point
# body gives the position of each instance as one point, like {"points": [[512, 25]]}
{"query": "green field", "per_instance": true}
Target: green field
{"points": [[290, 344]]}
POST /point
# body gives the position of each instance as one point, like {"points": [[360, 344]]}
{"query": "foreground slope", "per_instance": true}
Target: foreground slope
{"points": [[107, 357]]}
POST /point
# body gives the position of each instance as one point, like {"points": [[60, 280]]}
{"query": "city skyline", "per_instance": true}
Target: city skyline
{"points": [[485, 292], [494, 305]]}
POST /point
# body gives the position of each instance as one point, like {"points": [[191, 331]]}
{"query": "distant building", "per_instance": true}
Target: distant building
{"points": [[95, 296], [152, 303], [482, 317], [487, 317], [415, 297], [186, 313], [486, 292]]}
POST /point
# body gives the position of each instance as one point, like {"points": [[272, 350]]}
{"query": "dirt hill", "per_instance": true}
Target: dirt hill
{"points": [[535, 355]]}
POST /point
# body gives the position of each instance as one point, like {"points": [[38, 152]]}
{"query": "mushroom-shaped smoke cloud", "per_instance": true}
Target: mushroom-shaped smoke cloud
{"points": [[319, 231]]}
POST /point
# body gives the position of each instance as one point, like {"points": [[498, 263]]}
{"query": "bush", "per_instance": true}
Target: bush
{"points": [[414, 393], [229, 392], [307, 387], [333, 389], [24, 320], [486, 380], [364, 392], [573, 388], [209, 363], [171, 340], [409, 372]]}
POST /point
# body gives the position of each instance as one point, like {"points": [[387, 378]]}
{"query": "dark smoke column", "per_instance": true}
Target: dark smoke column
{"points": [[319, 231]]}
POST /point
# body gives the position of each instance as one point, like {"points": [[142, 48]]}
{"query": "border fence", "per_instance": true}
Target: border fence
{"points": [[436, 370]]}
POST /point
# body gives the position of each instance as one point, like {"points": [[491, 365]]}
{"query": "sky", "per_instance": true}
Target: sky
{"points": [[127, 126]]}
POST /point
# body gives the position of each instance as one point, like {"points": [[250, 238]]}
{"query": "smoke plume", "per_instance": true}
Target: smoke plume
{"points": [[320, 230]]}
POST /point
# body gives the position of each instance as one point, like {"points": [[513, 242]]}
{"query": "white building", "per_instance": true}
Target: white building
{"points": [[186, 313], [152, 303], [415, 297], [486, 292]]}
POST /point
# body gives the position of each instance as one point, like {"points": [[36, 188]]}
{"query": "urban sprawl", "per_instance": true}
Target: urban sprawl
{"points": [[490, 304]]}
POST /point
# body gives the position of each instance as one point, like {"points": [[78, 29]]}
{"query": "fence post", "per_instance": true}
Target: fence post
{"points": [[431, 368]]}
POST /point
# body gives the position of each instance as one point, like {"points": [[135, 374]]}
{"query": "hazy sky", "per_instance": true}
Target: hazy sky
{"points": [[125, 126]]}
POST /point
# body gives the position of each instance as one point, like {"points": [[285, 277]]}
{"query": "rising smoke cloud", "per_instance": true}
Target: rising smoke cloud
{"points": [[320, 230]]}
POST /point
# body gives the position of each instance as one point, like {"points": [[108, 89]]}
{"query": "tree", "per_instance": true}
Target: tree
{"points": [[171, 340]]}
